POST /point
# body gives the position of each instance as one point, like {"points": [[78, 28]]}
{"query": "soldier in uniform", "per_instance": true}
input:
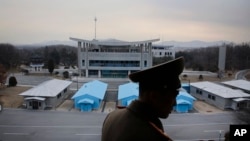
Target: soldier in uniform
{"points": [[158, 88]]}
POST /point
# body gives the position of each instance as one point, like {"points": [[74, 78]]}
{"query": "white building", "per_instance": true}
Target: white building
{"points": [[36, 63], [47, 94], [163, 51], [220, 96], [113, 58]]}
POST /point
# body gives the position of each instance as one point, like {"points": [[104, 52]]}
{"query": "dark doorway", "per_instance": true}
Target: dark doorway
{"points": [[35, 105]]}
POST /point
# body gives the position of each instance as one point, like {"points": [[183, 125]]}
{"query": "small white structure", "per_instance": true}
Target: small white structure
{"points": [[163, 51], [36, 63], [220, 96], [48, 94]]}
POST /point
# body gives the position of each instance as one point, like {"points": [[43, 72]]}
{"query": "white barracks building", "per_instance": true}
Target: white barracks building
{"points": [[113, 58]]}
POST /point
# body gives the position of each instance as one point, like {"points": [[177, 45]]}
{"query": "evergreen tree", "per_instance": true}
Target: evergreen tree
{"points": [[51, 66]]}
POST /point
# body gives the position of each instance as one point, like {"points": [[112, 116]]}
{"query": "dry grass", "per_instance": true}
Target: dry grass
{"points": [[9, 96]]}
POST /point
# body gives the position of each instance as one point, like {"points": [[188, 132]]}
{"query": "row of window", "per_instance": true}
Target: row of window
{"points": [[98, 63], [211, 97], [60, 94], [165, 53], [198, 91]]}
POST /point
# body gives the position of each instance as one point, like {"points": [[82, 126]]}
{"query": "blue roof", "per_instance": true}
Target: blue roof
{"points": [[86, 100], [185, 84], [94, 88], [185, 94], [127, 90], [129, 101], [182, 101]]}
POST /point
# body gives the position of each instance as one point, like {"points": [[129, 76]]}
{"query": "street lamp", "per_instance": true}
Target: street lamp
{"points": [[220, 134], [1, 107], [77, 82]]}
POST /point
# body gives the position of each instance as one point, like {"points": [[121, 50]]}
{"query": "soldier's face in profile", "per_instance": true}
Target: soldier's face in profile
{"points": [[163, 101]]}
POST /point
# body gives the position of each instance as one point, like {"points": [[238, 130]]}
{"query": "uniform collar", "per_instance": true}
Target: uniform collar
{"points": [[145, 111]]}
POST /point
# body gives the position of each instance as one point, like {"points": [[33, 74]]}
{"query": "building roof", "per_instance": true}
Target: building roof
{"points": [[130, 101], [94, 88], [182, 101], [185, 84], [50, 88], [219, 90], [185, 94], [35, 98], [86, 101], [240, 99], [128, 89], [241, 84], [113, 42]]}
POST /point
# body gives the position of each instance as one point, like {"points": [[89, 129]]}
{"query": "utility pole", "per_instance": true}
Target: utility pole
{"points": [[95, 27]]}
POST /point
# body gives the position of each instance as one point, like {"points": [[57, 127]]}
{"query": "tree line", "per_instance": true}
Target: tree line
{"points": [[206, 59], [11, 57]]}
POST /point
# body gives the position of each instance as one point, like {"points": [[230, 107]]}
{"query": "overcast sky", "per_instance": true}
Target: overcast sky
{"points": [[33, 21]]}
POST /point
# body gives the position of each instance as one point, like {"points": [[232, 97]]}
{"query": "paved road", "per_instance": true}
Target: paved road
{"points": [[241, 74], [30, 79], [27, 125]]}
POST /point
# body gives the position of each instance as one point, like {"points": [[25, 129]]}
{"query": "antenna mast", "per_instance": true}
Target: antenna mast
{"points": [[95, 27]]}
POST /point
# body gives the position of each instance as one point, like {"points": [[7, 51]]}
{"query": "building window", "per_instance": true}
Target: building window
{"points": [[145, 63], [30, 103], [209, 96], [65, 90], [59, 95], [213, 98], [83, 62], [199, 91]]}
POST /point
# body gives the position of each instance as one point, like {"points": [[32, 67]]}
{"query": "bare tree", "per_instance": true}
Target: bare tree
{"points": [[3, 75]]}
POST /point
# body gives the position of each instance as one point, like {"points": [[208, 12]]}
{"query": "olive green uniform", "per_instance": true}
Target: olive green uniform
{"points": [[137, 122]]}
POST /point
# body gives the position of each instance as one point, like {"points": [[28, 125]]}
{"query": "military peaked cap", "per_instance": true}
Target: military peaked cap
{"points": [[163, 75]]}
